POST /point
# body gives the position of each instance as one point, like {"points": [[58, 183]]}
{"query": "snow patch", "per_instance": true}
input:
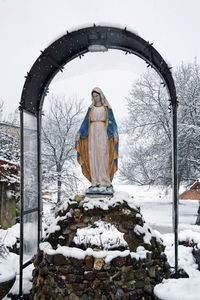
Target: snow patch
{"points": [[10, 236], [8, 267], [105, 203], [108, 255], [103, 235], [54, 227], [147, 232], [190, 236], [176, 289]]}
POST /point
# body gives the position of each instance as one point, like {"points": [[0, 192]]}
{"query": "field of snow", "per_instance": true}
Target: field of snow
{"points": [[156, 207]]}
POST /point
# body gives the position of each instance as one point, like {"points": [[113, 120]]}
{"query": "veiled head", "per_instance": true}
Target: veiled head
{"points": [[97, 98], [96, 92]]}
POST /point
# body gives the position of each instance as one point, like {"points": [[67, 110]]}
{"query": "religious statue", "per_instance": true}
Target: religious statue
{"points": [[97, 145]]}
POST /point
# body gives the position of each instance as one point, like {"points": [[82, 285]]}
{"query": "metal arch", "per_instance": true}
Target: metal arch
{"points": [[75, 44]]}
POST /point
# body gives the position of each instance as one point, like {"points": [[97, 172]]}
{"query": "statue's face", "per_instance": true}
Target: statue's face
{"points": [[96, 97]]}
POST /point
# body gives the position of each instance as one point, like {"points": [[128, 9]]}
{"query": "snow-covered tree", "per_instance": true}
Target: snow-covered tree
{"points": [[187, 78], [9, 135], [150, 127], [60, 125], [9, 138], [9, 146], [9, 171]]}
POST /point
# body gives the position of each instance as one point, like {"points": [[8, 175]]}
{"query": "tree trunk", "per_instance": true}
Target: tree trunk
{"points": [[59, 184], [198, 216]]}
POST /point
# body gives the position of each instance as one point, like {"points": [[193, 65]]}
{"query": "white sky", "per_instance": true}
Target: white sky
{"points": [[28, 26]]}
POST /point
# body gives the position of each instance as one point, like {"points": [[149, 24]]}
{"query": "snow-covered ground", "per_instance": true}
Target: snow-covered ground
{"points": [[156, 207]]}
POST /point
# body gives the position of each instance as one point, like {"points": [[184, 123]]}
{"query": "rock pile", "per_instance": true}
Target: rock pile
{"points": [[69, 266]]}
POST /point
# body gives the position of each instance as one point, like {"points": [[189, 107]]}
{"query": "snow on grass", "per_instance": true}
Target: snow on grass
{"points": [[9, 236], [182, 288], [9, 266], [157, 209], [27, 281], [186, 260]]}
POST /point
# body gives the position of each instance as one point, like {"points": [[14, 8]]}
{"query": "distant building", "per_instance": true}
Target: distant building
{"points": [[193, 193], [13, 130]]}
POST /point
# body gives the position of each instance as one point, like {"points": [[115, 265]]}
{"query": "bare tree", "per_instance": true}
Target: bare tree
{"points": [[9, 142], [149, 126], [14, 117], [59, 128], [1, 108], [188, 88]]}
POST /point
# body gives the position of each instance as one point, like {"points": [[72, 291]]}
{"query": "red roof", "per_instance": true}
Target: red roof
{"points": [[197, 183], [7, 165]]}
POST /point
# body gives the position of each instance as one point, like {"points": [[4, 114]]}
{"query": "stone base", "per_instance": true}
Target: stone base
{"points": [[129, 273], [88, 195], [123, 278]]}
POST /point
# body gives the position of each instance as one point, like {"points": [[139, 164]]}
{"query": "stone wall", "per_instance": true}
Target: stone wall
{"points": [[132, 274], [57, 277]]}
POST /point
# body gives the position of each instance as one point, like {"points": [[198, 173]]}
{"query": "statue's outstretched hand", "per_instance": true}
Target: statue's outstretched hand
{"points": [[115, 137], [78, 137]]}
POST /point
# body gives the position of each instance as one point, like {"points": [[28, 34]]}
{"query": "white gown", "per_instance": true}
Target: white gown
{"points": [[98, 147]]}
